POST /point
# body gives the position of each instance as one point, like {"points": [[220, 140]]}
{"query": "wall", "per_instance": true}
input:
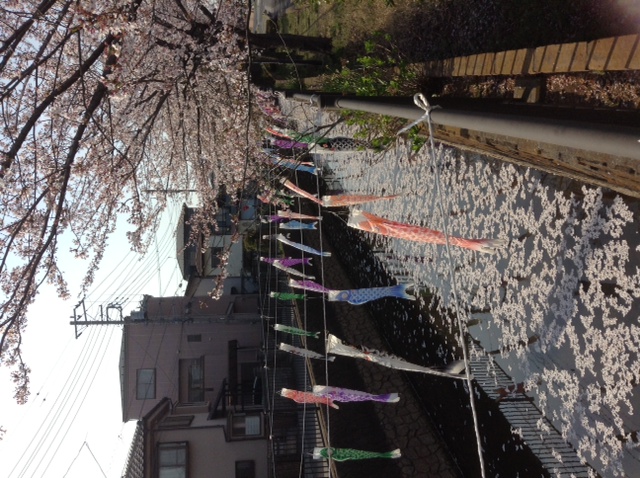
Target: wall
{"points": [[165, 338], [211, 456]]}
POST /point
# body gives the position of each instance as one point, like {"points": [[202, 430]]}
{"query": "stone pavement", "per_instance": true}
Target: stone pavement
{"points": [[371, 425]]}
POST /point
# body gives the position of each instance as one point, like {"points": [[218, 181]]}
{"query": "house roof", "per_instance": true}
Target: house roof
{"points": [[139, 452], [134, 467]]}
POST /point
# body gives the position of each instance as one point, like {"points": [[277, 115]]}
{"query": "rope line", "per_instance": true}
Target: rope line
{"points": [[421, 101]]}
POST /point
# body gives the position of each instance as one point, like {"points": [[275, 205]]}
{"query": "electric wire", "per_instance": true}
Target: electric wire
{"points": [[36, 444], [87, 389]]}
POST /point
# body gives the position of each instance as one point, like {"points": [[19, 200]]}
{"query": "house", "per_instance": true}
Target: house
{"points": [[185, 349], [184, 441], [200, 263], [201, 377], [191, 373]]}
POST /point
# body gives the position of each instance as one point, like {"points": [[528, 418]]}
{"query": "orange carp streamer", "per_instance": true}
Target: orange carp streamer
{"points": [[307, 397], [351, 199], [368, 222], [301, 192]]}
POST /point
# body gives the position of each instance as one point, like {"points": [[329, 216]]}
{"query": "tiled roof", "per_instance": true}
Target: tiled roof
{"points": [[134, 468]]}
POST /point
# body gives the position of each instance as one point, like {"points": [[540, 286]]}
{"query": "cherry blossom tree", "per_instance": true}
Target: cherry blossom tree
{"points": [[100, 102]]}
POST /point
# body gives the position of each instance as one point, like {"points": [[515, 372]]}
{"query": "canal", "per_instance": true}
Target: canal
{"points": [[554, 313]]}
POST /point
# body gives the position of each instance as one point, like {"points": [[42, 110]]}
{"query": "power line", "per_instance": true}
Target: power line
{"points": [[57, 403]]}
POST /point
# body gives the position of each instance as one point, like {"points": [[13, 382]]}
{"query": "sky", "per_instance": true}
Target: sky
{"points": [[72, 424]]}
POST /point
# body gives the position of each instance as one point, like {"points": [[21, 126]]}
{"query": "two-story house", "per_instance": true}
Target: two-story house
{"points": [[191, 373]]}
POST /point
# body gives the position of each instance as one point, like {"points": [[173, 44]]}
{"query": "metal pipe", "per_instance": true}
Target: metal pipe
{"points": [[601, 138]]}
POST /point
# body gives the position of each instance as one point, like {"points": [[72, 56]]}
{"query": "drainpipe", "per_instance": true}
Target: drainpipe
{"points": [[620, 141]]}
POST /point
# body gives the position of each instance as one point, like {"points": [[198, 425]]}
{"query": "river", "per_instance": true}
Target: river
{"points": [[556, 309]]}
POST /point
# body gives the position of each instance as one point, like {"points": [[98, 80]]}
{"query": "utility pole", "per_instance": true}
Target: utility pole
{"points": [[80, 319]]}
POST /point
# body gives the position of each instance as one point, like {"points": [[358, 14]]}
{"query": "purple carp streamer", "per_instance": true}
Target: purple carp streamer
{"points": [[297, 225], [289, 144], [286, 296], [344, 454], [361, 296], [289, 270], [308, 285], [351, 200], [297, 215], [301, 192], [303, 352], [337, 347], [368, 222], [307, 397], [346, 395], [300, 247], [295, 331]]}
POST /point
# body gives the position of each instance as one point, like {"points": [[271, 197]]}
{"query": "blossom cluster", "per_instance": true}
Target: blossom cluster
{"points": [[108, 107]]}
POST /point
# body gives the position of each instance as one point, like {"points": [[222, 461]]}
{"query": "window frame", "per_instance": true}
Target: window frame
{"points": [[150, 390], [237, 432], [173, 447]]}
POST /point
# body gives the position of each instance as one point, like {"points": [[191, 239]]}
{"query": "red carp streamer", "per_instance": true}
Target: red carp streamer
{"points": [[307, 397], [371, 223], [335, 201]]}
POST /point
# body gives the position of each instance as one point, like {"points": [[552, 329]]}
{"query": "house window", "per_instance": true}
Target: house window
{"points": [[245, 426], [194, 338], [146, 383], [246, 469], [172, 460], [192, 380]]}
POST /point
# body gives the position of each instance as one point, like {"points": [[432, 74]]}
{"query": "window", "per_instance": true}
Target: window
{"points": [[146, 383], [246, 469], [194, 338], [245, 425], [192, 380], [172, 460]]}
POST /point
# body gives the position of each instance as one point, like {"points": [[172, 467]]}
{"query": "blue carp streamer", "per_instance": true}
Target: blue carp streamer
{"points": [[298, 225], [344, 454], [361, 296], [278, 161], [300, 247]]}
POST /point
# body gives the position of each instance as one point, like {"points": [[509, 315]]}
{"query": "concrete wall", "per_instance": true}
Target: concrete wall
{"points": [[210, 455]]}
